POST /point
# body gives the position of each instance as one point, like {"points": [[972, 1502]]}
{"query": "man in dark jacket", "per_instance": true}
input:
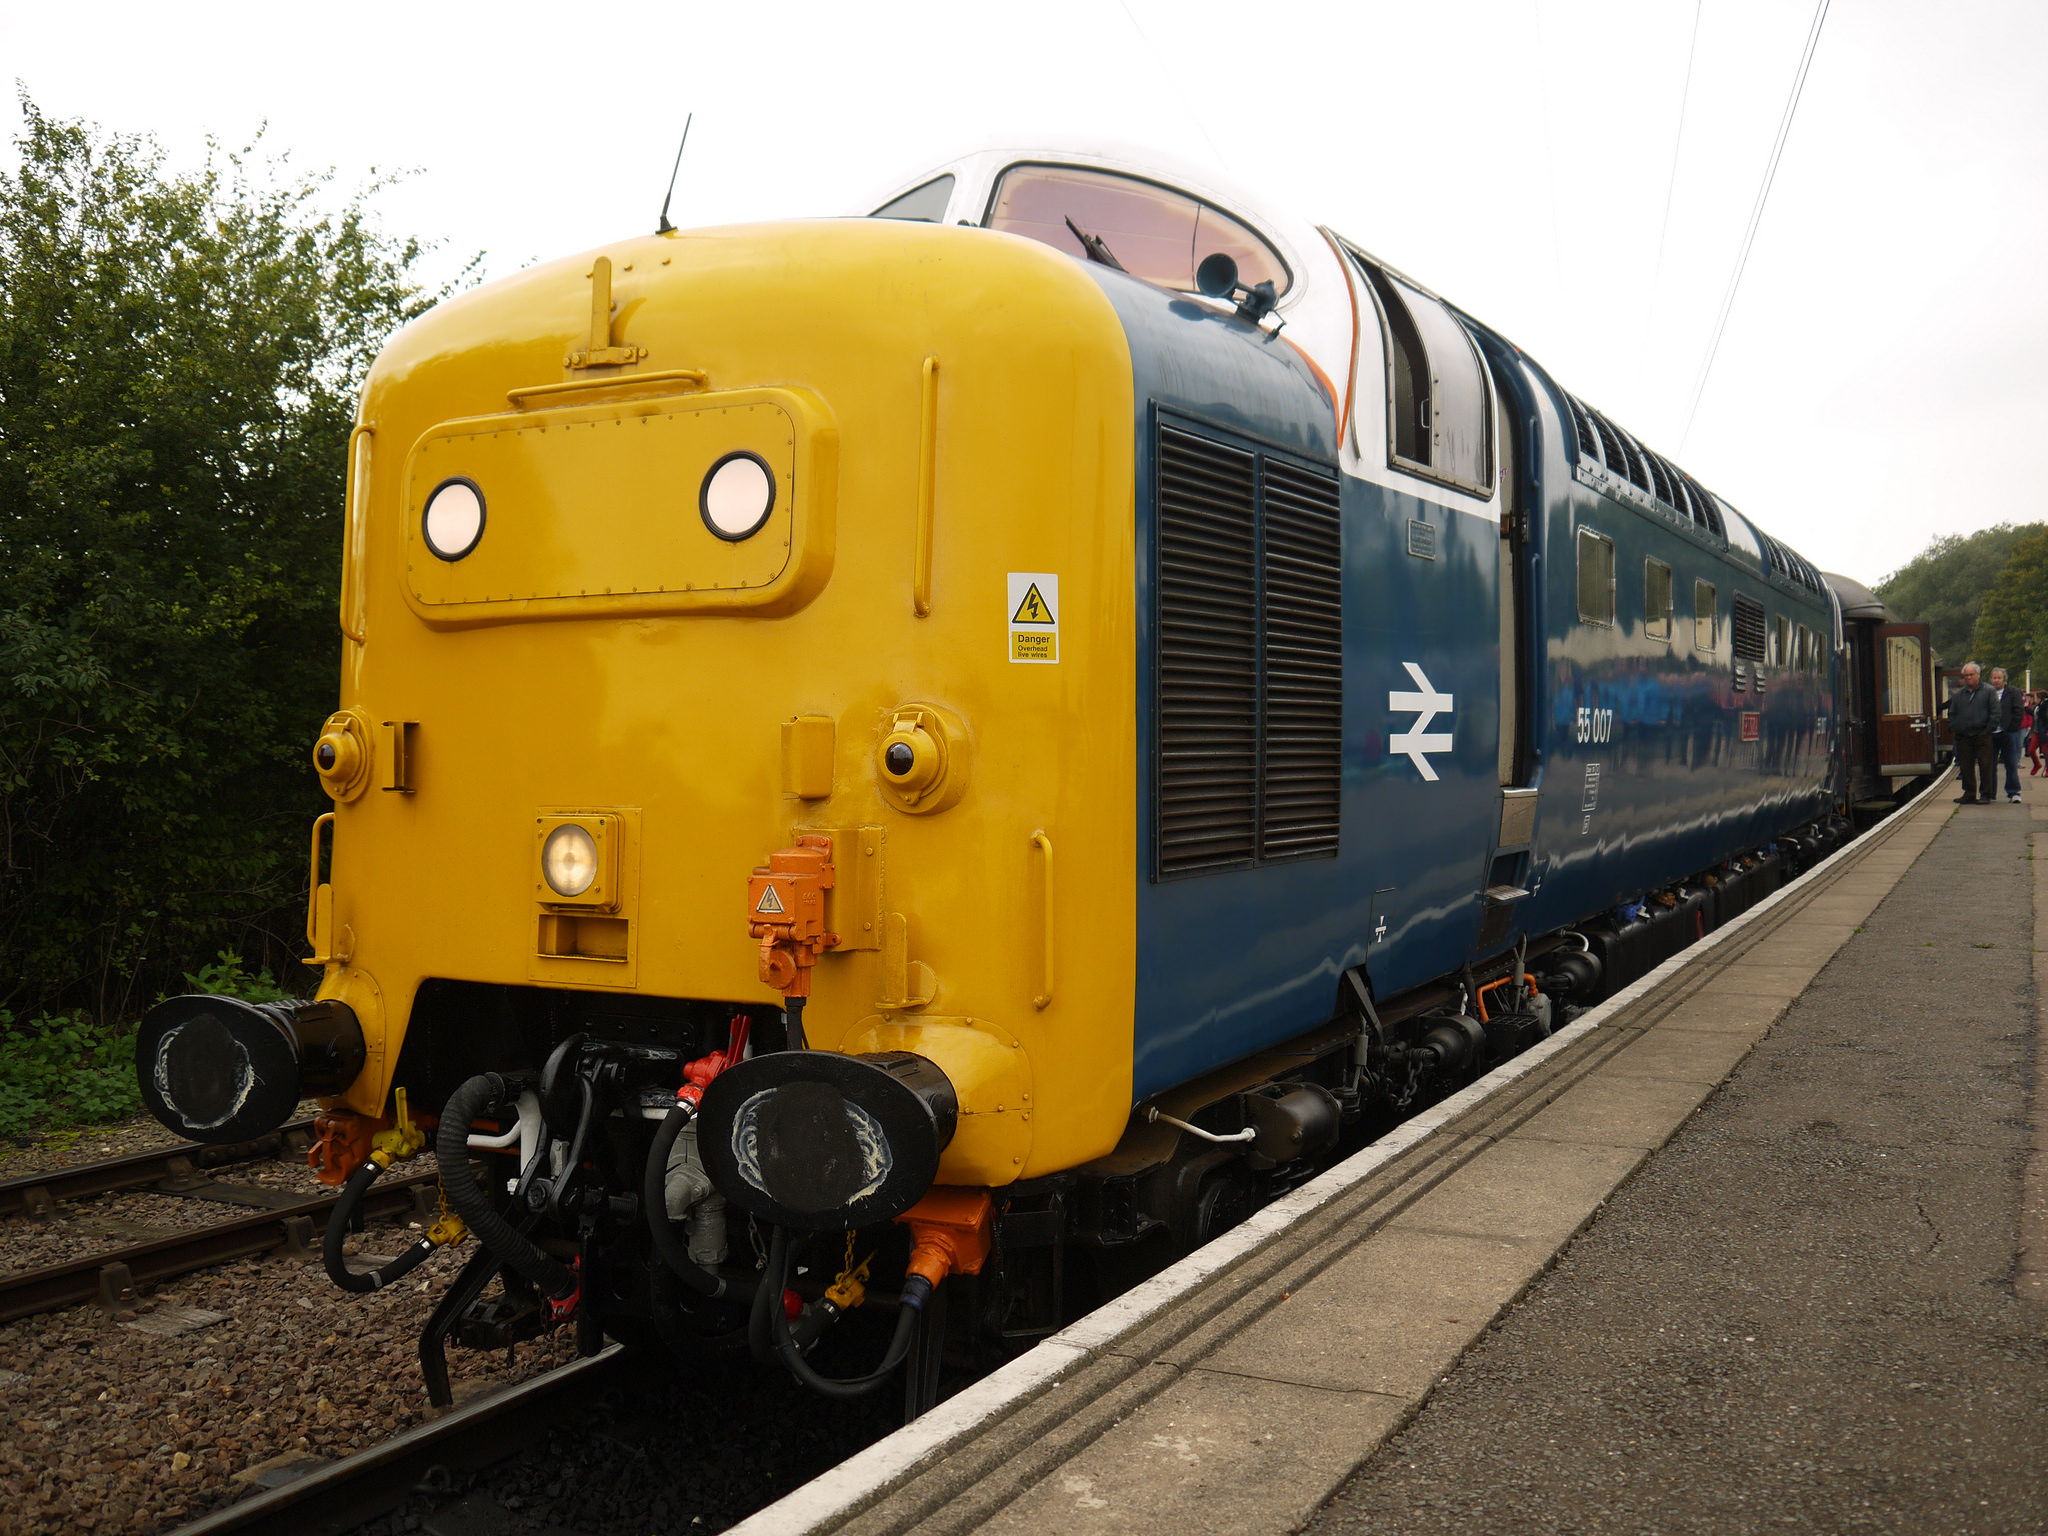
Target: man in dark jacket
{"points": [[1972, 711], [2005, 735]]}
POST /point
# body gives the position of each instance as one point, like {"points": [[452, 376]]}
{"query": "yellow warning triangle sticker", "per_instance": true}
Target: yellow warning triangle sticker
{"points": [[769, 902], [1032, 610]]}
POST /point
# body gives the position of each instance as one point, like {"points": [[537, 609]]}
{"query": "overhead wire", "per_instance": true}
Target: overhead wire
{"points": [[1756, 214], [1670, 187]]}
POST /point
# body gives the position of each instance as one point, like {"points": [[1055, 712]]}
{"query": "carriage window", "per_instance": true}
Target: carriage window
{"points": [[1781, 642], [1706, 618], [1154, 232], [1437, 412], [925, 204], [1596, 577], [1656, 599], [1803, 654]]}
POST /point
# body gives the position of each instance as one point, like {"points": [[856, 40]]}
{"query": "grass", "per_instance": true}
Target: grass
{"points": [[59, 1070]]}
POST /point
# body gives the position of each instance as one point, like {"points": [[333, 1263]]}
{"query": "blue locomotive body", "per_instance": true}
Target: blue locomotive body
{"points": [[1527, 743]]}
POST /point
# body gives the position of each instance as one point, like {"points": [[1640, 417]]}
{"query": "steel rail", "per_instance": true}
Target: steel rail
{"points": [[344, 1494], [138, 1170], [295, 1226]]}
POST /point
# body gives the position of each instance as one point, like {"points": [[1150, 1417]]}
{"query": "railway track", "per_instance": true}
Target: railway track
{"points": [[282, 1219], [174, 1169], [341, 1495]]}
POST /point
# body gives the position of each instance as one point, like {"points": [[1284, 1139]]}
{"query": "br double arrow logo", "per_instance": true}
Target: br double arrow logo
{"points": [[1417, 742]]}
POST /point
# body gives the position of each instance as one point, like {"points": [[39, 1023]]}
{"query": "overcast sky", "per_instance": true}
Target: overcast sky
{"points": [[1516, 155]]}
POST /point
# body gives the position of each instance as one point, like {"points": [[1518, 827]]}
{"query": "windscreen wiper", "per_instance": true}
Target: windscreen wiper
{"points": [[1096, 247]]}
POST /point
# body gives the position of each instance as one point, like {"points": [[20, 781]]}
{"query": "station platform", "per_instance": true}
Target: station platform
{"points": [[1759, 1244]]}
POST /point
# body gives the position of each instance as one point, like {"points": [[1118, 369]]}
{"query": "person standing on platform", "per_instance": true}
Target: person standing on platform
{"points": [[2005, 734], [2030, 724], [2040, 741], [1972, 709]]}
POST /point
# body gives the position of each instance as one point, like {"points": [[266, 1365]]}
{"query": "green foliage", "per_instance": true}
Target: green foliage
{"points": [[2012, 626], [227, 977], [62, 1070], [1944, 585], [179, 360]]}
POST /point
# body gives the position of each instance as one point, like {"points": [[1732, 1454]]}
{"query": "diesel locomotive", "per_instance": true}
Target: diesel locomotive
{"points": [[920, 756]]}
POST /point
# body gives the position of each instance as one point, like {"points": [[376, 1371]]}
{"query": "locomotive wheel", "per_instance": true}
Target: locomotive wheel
{"points": [[1225, 1199]]}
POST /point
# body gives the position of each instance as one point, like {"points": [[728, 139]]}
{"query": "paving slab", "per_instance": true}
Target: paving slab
{"points": [[1618, 1111], [1785, 981], [1684, 1055], [1745, 1014], [1214, 1452]]}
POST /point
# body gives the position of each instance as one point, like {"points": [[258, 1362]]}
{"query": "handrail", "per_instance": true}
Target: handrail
{"points": [[927, 489], [320, 941], [690, 379], [351, 511], [1044, 845]]}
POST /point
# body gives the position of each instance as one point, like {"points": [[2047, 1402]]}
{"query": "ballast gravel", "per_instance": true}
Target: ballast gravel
{"points": [[110, 1428]]}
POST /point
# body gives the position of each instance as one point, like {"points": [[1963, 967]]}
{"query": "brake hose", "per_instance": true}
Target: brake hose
{"points": [[451, 1146], [653, 1198], [916, 1291], [362, 1282]]}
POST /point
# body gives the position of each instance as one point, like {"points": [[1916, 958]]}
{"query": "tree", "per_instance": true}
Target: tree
{"points": [[1944, 585], [179, 359], [2012, 627]]}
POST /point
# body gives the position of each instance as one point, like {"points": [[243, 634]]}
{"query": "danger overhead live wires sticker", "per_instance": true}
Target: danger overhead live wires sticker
{"points": [[1034, 609]]}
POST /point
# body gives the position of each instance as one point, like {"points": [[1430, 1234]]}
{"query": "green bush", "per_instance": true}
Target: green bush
{"points": [[59, 1070], [180, 354]]}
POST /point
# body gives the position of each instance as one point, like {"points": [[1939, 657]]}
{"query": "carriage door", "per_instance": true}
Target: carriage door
{"points": [[1905, 700], [1510, 875]]}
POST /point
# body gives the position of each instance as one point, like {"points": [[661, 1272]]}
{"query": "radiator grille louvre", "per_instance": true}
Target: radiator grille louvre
{"points": [[1748, 629], [1304, 665], [1250, 668], [1208, 655]]}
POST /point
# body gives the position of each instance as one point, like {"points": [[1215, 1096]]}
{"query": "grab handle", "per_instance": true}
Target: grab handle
{"points": [[351, 521], [927, 488], [1044, 845]]}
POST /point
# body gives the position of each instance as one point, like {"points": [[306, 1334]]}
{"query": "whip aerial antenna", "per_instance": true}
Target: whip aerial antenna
{"points": [[664, 227]]}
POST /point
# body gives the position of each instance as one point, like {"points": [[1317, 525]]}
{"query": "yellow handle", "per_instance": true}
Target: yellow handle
{"points": [[927, 477], [668, 381], [1044, 845], [318, 923], [352, 508]]}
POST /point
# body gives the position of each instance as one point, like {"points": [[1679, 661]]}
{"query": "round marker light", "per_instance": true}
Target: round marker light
{"points": [[569, 860], [737, 497], [454, 519]]}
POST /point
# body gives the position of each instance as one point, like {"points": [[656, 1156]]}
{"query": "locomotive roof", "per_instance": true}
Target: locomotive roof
{"points": [[1321, 322]]}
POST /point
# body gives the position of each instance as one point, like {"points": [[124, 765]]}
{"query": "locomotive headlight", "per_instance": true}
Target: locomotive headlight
{"points": [[454, 519], [737, 496], [568, 860]]}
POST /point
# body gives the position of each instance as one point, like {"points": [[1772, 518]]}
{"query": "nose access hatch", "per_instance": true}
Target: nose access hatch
{"points": [[628, 507]]}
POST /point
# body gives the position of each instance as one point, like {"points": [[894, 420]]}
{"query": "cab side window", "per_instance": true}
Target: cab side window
{"points": [[1656, 599], [924, 205], [1439, 424], [1706, 618], [1596, 578]]}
